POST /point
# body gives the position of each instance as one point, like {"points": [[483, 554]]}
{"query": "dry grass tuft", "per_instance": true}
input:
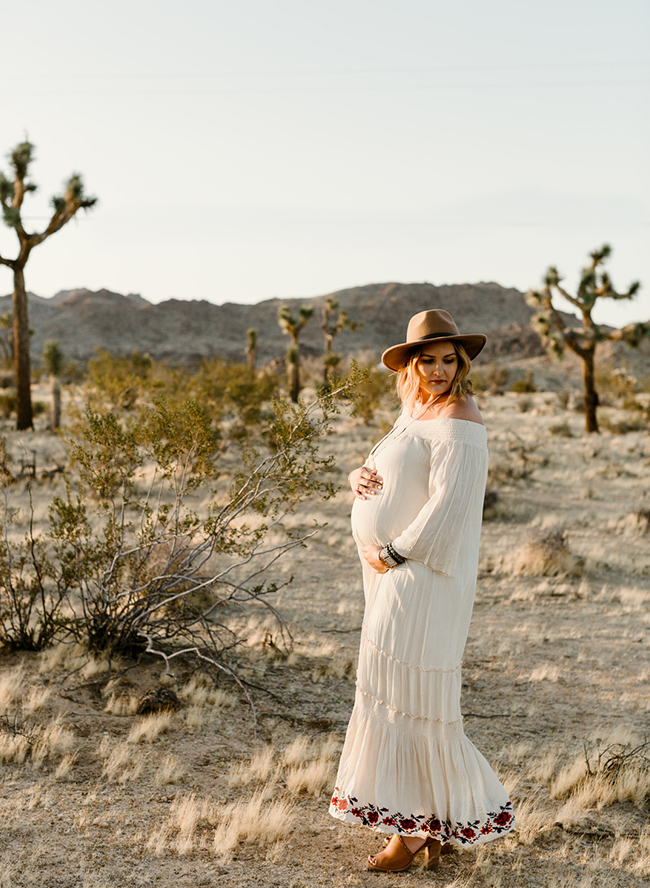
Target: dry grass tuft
{"points": [[311, 778], [122, 765], [618, 773], [11, 684], [549, 672], [62, 657], [36, 699], [254, 821], [121, 704], [94, 666], [622, 850], [196, 693], [149, 728], [169, 771], [179, 833], [532, 820], [257, 770], [65, 766], [297, 752], [51, 742], [195, 717], [572, 813], [13, 748]]}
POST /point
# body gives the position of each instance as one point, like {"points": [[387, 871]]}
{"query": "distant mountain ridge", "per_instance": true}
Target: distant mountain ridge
{"points": [[183, 332]]}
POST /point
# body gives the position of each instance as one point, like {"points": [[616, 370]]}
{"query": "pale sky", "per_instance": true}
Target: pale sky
{"points": [[248, 149]]}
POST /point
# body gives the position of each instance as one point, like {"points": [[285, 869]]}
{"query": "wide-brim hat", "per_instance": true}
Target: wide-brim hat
{"points": [[425, 327]]}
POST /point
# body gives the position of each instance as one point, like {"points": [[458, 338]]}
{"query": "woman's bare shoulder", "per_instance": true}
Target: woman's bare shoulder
{"points": [[466, 409]]}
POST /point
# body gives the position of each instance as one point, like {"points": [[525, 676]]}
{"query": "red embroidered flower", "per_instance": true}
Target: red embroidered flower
{"points": [[468, 833]]}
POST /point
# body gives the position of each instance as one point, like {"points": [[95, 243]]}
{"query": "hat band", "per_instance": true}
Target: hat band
{"points": [[433, 336]]}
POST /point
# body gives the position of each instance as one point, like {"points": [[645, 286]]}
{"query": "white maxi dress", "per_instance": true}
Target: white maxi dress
{"points": [[407, 766]]}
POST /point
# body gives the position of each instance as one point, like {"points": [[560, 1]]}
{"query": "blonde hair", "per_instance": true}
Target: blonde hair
{"points": [[408, 378]]}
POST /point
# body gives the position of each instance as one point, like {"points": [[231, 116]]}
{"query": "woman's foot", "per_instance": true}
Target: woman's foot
{"points": [[399, 853]]}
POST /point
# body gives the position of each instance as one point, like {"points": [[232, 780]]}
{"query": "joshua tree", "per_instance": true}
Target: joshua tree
{"points": [[292, 326], [582, 340], [331, 325], [53, 363], [12, 193], [251, 349]]}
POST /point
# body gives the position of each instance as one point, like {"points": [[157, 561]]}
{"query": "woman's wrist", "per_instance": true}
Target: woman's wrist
{"points": [[390, 557]]}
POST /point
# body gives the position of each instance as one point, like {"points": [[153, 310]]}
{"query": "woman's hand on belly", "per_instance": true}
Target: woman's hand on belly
{"points": [[371, 554], [365, 482]]}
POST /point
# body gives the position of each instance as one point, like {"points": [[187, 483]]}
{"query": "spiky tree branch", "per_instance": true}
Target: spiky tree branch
{"points": [[65, 206], [582, 340], [331, 325], [292, 326]]}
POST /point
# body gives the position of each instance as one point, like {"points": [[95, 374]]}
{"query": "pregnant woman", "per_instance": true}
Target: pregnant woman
{"points": [[407, 768]]}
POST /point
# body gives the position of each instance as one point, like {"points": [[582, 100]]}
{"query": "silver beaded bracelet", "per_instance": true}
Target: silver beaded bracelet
{"points": [[390, 557]]}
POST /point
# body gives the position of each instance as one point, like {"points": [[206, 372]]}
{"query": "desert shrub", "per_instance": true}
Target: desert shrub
{"points": [[524, 404], [120, 379], [516, 462], [617, 773], [615, 383], [525, 384], [637, 423], [7, 403], [563, 398], [234, 392], [561, 429], [479, 382], [374, 390], [135, 565], [497, 378], [229, 393], [546, 553]]}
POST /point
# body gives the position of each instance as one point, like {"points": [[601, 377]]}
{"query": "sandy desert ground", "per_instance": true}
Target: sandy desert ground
{"points": [[556, 670]]}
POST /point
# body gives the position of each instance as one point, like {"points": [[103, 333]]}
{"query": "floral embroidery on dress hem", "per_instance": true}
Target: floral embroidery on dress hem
{"points": [[373, 816], [407, 714]]}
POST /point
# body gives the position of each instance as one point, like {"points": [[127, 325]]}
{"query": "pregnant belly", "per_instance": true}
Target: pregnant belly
{"points": [[379, 519]]}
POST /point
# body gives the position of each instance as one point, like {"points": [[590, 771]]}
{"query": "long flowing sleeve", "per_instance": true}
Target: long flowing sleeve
{"points": [[457, 478]]}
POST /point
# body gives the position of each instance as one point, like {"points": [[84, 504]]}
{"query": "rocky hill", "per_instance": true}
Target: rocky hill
{"points": [[185, 331]]}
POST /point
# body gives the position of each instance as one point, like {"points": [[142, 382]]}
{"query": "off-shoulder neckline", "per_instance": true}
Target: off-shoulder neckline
{"points": [[447, 418]]}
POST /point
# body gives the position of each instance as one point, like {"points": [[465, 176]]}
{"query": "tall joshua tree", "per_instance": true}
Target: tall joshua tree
{"points": [[292, 326], [53, 364], [251, 349], [556, 334], [331, 325], [65, 205]]}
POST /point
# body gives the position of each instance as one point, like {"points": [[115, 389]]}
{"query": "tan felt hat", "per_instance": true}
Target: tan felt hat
{"points": [[425, 327]]}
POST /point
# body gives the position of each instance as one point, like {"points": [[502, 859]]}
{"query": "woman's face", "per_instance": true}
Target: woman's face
{"points": [[437, 367]]}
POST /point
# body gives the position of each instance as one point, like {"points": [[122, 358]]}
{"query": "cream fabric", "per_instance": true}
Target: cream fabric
{"points": [[407, 766]]}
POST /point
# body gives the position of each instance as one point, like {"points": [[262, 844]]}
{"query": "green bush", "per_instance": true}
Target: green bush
{"points": [[375, 390], [126, 563], [561, 429], [525, 384], [7, 403]]}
